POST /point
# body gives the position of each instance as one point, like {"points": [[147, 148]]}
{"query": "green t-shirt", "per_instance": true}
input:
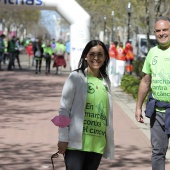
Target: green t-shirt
{"points": [[60, 49], [48, 50], [157, 64], [95, 120]]}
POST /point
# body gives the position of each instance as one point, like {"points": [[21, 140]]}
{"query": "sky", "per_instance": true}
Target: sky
{"points": [[47, 17], [52, 26]]}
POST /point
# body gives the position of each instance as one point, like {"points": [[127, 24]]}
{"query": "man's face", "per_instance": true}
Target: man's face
{"points": [[162, 32]]}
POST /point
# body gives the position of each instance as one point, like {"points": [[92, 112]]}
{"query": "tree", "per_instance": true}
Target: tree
{"points": [[139, 22], [162, 7], [18, 18]]}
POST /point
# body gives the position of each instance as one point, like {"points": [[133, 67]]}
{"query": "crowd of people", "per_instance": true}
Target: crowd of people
{"points": [[57, 54], [9, 52], [121, 58], [37, 51], [51, 51]]}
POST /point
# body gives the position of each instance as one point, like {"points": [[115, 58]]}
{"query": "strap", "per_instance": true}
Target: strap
{"points": [[54, 156]]}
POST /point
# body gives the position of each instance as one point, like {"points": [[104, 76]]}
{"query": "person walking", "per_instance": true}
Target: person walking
{"points": [[53, 45], [59, 59], [87, 101], [17, 52], [156, 76], [129, 57], [11, 53], [112, 63], [48, 52], [38, 51], [29, 51], [68, 50], [120, 64], [2, 48], [5, 58]]}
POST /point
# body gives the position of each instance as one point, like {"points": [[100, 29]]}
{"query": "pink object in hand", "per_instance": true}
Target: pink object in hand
{"points": [[61, 121]]}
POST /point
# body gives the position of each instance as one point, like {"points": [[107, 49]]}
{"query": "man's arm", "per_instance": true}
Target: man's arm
{"points": [[142, 92]]}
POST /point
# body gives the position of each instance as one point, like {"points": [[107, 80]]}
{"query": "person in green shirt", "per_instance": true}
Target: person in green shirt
{"points": [[87, 101], [2, 48], [59, 59], [11, 53], [156, 71], [48, 52]]}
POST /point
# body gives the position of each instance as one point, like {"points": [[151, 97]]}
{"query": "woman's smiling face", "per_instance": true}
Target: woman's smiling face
{"points": [[95, 58]]}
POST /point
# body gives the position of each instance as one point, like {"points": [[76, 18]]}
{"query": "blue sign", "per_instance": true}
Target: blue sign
{"points": [[24, 2]]}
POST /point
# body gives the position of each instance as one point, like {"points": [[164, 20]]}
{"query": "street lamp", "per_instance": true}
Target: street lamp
{"points": [[129, 10], [104, 28], [112, 24]]}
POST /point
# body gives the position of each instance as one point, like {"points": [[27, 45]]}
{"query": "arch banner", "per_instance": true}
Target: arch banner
{"points": [[78, 18]]}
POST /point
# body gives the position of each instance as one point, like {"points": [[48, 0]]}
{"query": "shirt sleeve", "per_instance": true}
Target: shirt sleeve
{"points": [[147, 66]]}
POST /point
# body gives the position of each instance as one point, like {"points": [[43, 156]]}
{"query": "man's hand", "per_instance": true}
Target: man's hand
{"points": [[62, 146], [138, 116]]}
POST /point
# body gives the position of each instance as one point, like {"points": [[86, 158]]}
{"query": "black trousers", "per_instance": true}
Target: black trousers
{"points": [[38, 65], [81, 160], [48, 65], [11, 60], [18, 59]]}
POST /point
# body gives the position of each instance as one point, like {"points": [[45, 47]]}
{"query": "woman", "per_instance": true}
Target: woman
{"points": [[86, 100], [17, 52], [38, 51], [29, 51], [59, 59], [48, 52]]}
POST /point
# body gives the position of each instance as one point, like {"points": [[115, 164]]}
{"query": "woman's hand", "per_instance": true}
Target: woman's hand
{"points": [[62, 146]]}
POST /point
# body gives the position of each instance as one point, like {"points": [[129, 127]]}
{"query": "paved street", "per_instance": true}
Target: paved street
{"points": [[28, 138]]}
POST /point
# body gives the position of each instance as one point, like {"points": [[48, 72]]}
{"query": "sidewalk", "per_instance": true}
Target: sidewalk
{"points": [[28, 138]]}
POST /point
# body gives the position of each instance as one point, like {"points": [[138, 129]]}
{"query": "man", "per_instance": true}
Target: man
{"points": [[11, 52], [2, 47], [157, 77]]}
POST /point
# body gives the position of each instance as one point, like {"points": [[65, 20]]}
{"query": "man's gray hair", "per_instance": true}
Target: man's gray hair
{"points": [[163, 18]]}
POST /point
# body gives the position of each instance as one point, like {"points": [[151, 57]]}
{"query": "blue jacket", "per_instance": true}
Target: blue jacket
{"points": [[150, 109]]}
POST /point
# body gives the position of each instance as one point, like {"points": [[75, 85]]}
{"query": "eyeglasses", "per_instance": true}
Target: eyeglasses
{"points": [[98, 55], [56, 155]]}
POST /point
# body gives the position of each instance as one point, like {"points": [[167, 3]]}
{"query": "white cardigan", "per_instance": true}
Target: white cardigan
{"points": [[73, 103]]}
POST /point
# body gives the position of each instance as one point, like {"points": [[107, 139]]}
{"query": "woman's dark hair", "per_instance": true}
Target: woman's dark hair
{"points": [[82, 65]]}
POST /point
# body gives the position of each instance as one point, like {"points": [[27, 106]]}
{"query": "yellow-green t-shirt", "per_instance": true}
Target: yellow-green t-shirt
{"points": [[157, 64], [95, 120]]}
